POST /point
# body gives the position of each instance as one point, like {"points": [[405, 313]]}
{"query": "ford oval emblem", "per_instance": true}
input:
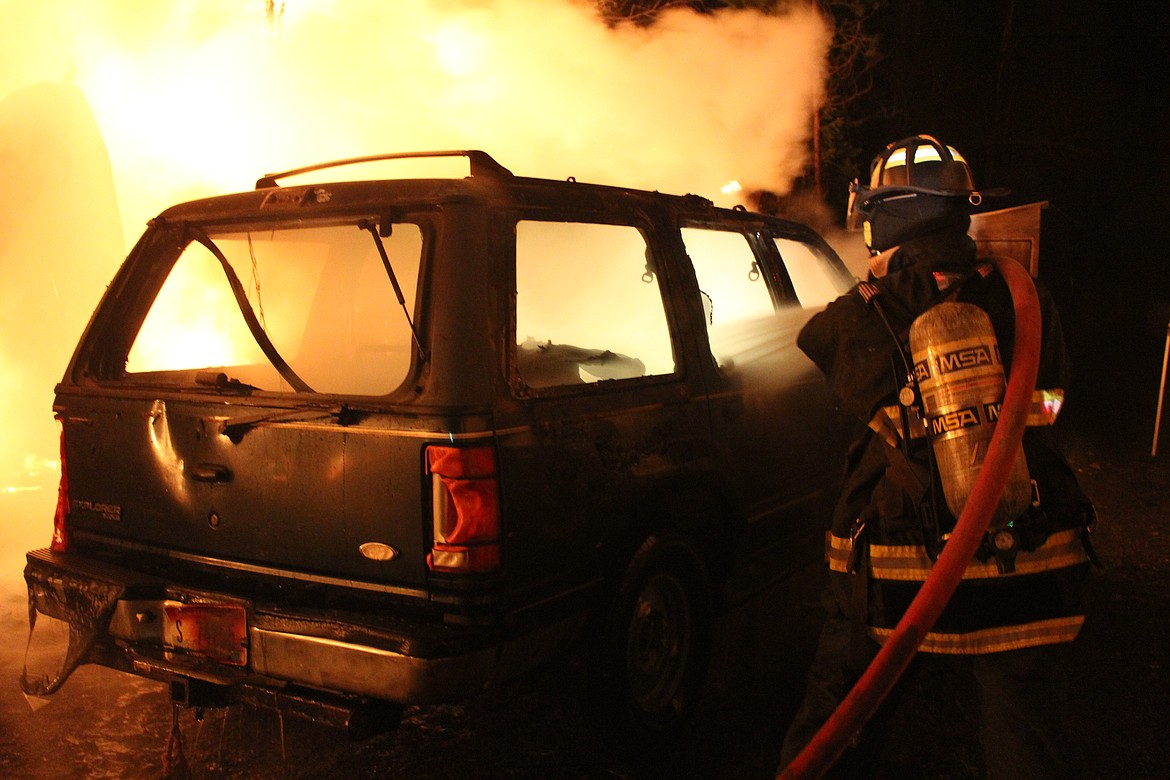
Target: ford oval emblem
{"points": [[376, 551]]}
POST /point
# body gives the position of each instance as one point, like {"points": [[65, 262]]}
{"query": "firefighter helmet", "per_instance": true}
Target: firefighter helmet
{"points": [[914, 184]]}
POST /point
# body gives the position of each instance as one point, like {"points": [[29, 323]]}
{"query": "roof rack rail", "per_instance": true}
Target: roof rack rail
{"points": [[481, 164]]}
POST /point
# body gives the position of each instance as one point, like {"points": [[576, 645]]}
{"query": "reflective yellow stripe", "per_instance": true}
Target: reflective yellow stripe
{"points": [[837, 550], [887, 421], [995, 640], [1045, 407], [910, 563]]}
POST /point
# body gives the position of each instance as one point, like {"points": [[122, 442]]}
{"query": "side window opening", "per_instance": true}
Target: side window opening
{"points": [[588, 305], [748, 324], [321, 295], [815, 280], [737, 303]]}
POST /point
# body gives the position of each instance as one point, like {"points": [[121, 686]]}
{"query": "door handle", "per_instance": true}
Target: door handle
{"points": [[209, 472]]}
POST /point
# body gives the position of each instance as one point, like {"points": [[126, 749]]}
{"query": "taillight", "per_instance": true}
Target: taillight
{"points": [[60, 542], [466, 509]]}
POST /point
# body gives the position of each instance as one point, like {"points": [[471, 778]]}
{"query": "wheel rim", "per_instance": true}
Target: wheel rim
{"points": [[659, 644]]}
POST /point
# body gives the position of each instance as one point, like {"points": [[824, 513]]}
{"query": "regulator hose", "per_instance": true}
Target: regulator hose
{"points": [[879, 678]]}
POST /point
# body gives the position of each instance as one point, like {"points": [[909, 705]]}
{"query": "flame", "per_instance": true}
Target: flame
{"points": [[192, 305], [38, 473], [459, 50], [195, 98]]}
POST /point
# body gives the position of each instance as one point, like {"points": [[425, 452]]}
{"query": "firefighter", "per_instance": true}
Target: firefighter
{"points": [[1020, 603]]}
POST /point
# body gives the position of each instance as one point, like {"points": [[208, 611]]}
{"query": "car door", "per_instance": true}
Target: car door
{"points": [[771, 412], [609, 398]]}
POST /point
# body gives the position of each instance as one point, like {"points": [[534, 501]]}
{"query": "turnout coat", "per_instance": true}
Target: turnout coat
{"points": [[891, 519]]}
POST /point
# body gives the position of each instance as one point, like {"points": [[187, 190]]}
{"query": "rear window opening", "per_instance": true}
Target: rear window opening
{"points": [[321, 295]]}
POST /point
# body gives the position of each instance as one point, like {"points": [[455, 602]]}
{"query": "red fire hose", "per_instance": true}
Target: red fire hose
{"points": [[879, 678]]}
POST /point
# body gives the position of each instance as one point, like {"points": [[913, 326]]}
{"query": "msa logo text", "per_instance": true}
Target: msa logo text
{"points": [[963, 418], [958, 360]]}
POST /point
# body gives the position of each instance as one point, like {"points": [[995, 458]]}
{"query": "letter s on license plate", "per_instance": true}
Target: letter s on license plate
{"points": [[215, 631]]}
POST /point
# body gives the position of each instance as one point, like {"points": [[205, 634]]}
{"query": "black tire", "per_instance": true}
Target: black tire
{"points": [[653, 649]]}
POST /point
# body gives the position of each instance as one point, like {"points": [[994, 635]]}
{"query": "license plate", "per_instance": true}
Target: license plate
{"points": [[215, 631]]}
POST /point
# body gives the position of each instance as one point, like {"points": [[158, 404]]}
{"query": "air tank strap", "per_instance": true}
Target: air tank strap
{"points": [[887, 420], [908, 395]]}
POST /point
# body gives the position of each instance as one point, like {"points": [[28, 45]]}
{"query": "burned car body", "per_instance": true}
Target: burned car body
{"points": [[398, 440]]}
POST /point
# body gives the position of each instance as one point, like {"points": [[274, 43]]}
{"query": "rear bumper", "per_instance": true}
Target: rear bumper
{"points": [[333, 665], [352, 654]]}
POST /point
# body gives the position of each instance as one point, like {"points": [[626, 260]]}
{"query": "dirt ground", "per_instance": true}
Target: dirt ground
{"points": [[103, 724]]}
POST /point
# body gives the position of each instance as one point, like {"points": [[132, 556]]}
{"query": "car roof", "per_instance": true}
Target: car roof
{"points": [[489, 183]]}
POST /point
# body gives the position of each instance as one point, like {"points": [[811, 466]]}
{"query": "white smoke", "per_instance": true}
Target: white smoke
{"points": [[196, 97]]}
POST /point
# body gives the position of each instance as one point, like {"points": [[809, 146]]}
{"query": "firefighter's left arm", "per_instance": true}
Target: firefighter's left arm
{"points": [[851, 347]]}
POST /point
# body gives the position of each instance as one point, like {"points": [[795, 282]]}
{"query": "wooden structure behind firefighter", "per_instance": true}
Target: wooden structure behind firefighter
{"points": [[1020, 602]]}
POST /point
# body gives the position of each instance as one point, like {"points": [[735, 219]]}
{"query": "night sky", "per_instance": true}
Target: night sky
{"points": [[1067, 107]]}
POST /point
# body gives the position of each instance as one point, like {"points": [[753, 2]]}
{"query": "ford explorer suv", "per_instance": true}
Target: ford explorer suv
{"points": [[349, 445]]}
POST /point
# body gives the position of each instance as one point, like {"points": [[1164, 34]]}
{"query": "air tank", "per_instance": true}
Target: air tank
{"points": [[960, 378]]}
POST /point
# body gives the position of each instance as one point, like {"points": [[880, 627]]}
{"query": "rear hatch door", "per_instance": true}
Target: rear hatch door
{"points": [[288, 490], [233, 398]]}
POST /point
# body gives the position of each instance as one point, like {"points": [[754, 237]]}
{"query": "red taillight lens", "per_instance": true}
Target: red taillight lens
{"points": [[60, 542], [466, 509]]}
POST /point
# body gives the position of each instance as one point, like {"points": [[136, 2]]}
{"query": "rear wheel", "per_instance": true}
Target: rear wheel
{"points": [[654, 647]]}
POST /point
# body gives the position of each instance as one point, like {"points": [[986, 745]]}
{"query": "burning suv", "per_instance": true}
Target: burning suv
{"points": [[343, 447]]}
